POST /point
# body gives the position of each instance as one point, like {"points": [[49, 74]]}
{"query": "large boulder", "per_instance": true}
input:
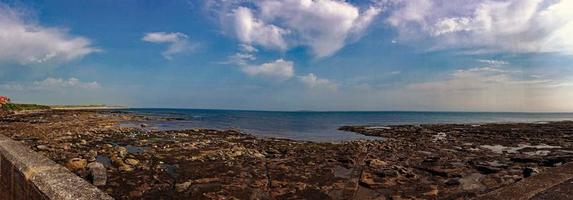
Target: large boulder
{"points": [[97, 173]]}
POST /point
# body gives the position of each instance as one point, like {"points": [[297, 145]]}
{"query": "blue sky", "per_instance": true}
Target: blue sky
{"points": [[478, 55]]}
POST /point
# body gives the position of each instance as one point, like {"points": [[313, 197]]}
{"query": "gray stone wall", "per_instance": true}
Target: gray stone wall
{"points": [[25, 174]]}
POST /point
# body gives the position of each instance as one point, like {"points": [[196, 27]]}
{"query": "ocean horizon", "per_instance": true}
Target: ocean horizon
{"points": [[322, 126]]}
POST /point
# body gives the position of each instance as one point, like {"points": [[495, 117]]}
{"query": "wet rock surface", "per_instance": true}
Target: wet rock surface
{"points": [[423, 161]]}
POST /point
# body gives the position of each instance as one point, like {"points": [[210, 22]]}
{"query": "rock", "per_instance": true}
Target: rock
{"points": [[530, 171], [553, 161], [258, 155], [76, 164], [98, 173], [486, 169], [406, 172], [472, 182], [433, 191], [432, 158], [376, 163], [367, 180], [206, 180], [92, 154], [144, 125], [121, 151], [181, 187], [387, 173], [526, 159], [131, 162], [435, 171], [43, 147], [510, 179], [66, 146], [117, 161], [83, 142], [452, 182], [125, 168], [439, 137]]}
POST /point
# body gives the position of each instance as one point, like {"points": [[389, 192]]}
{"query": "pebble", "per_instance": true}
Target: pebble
{"points": [[181, 187], [76, 164], [121, 151], [125, 168], [43, 147], [131, 162]]}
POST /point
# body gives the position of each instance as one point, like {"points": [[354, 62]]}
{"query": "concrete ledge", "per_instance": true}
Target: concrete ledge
{"points": [[25, 174], [529, 187]]}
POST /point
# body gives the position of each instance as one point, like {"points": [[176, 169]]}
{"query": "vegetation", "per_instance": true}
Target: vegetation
{"points": [[20, 107], [79, 106]]}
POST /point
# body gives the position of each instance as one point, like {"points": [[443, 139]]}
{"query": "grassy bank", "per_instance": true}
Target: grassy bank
{"points": [[22, 107]]}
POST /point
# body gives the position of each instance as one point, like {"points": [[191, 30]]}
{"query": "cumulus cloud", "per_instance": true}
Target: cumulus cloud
{"points": [[312, 81], [254, 31], [52, 84], [278, 70], [26, 42], [482, 26], [325, 26], [178, 42]]}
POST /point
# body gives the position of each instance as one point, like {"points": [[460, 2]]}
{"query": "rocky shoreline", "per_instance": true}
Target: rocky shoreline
{"points": [[445, 161]]}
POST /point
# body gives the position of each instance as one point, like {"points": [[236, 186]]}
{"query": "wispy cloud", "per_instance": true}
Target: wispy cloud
{"points": [[492, 88], [51, 84], [23, 41], [178, 42], [493, 62]]}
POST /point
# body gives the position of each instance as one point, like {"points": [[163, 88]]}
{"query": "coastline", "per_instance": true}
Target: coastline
{"points": [[88, 108], [442, 161]]}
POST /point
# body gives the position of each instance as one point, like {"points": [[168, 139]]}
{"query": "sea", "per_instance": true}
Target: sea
{"points": [[323, 126]]}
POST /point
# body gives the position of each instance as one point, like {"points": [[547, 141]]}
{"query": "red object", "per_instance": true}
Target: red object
{"points": [[4, 100]]}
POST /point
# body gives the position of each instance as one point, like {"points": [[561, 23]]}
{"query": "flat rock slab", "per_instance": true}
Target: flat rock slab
{"points": [[563, 191], [559, 180]]}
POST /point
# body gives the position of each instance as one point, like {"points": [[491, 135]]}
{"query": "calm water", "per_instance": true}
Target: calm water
{"points": [[322, 126]]}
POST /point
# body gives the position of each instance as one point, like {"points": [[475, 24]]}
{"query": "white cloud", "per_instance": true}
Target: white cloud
{"points": [[322, 25], [178, 42], [247, 48], [488, 26], [26, 42], [493, 62], [325, 26], [254, 31], [311, 81], [244, 56], [50, 84], [59, 83], [241, 58], [278, 70]]}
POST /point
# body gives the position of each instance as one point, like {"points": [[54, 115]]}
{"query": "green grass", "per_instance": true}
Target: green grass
{"points": [[21, 107]]}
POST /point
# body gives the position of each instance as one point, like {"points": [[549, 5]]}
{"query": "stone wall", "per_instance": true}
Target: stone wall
{"points": [[25, 174]]}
